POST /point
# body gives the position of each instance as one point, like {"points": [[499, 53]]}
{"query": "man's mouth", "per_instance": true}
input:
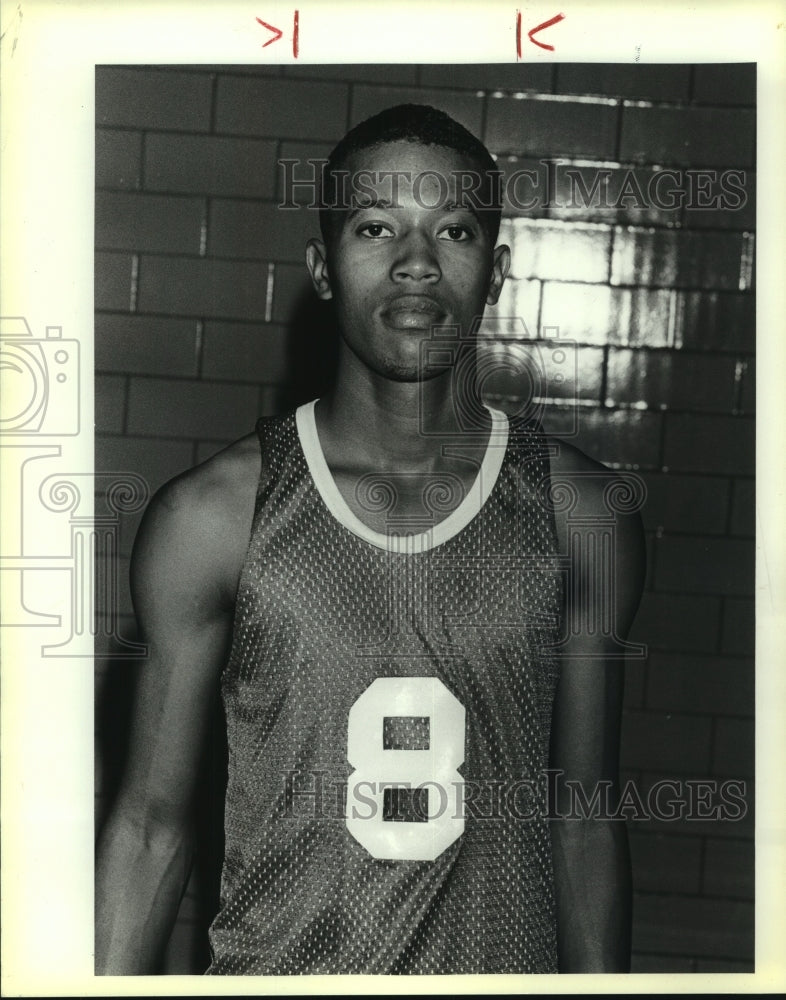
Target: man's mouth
{"points": [[413, 312]]}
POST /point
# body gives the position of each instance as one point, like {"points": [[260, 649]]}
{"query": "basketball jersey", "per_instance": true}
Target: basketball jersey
{"points": [[388, 699]]}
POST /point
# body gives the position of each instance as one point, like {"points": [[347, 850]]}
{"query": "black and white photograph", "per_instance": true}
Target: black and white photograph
{"points": [[416, 573], [607, 322]]}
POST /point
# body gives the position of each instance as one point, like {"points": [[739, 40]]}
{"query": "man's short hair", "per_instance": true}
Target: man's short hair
{"points": [[416, 123]]}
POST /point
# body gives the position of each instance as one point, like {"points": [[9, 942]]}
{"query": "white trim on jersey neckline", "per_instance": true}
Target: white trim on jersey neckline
{"points": [[445, 529]]}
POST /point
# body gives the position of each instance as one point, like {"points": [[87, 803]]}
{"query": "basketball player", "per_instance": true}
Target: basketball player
{"points": [[379, 582]]}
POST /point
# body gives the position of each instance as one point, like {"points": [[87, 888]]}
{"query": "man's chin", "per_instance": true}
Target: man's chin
{"points": [[414, 372], [416, 378]]}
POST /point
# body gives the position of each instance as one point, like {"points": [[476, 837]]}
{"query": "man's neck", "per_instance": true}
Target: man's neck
{"points": [[375, 423]]}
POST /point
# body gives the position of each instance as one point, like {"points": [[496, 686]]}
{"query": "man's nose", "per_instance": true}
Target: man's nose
{"points": [[416, 260]]}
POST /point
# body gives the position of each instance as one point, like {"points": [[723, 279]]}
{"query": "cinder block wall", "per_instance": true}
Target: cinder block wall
{"points": [[205, 320]]}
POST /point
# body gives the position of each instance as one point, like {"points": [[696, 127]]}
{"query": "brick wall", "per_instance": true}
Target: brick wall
{"points": [[204, 319]]}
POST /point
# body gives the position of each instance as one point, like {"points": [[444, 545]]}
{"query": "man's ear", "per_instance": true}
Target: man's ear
{"points": [[499, 271], [316, 262]]}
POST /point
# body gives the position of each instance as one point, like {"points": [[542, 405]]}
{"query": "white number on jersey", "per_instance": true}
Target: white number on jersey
{"points": [[377, 768]]}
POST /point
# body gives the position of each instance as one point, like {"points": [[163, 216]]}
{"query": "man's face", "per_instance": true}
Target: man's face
{"points": [[417, 257]]}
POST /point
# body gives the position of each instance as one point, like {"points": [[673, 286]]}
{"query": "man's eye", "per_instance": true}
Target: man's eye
{"points": [[455, 233], [374, 230]]}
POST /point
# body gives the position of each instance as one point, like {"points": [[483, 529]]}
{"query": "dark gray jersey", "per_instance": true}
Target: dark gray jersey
{"points": [[388, 700]]}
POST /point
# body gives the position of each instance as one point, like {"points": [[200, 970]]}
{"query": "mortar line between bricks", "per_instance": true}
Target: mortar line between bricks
{"points": [[544, 153], [721, 618], [678, 105], [713, 742], [692, 353], [638, 952], [586, 406], [709, 655], [676, 894], [662, 446], [604, 378], [618, 129], [179, 255], [483, 117], [315, 77], [584, 161], [213, 103], [142, 153], [126, 405], [134, 287], [568, 158], [682, 714], [186, 256], [350, 103], [730, 483], [650, 545], [540, 306], [215, 380], [703, 865], [152, 196], [735, 717], [176, 317], [544, 222], [199, 347], [682, 835], [730, 896], [248, 324], [668, 592]]}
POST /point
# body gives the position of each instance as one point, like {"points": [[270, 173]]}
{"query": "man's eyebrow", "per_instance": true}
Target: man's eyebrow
{"points": [[367, 204], [457, 206], [369, 201]]}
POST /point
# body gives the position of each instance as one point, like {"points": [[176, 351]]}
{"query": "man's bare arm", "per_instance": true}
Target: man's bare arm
{"points": [[184, 572], [591, 860]]}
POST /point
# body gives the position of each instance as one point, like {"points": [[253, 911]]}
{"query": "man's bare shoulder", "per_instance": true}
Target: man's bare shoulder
{"points": [[567, 459], [224, 484], [198, 524], [592, 481], [602, 496]]}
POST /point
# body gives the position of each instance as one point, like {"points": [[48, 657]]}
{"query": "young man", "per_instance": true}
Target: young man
{"points": [[380, 585]]}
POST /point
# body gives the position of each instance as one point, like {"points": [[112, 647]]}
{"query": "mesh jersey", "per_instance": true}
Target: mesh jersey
{"points": [[362, 662]]}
